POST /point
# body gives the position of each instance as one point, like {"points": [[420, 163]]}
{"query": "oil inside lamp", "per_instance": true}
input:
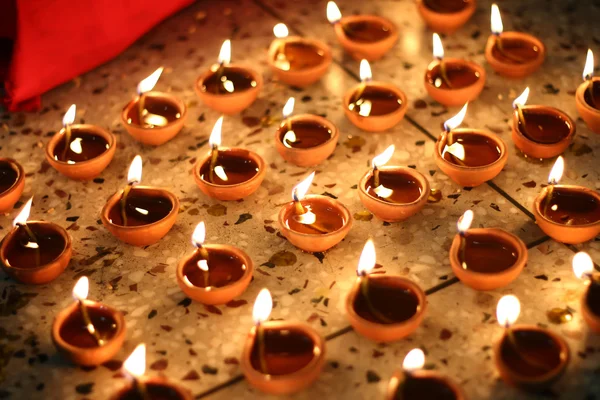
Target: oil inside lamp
{"points": [[511, 50], [371, 99], [278, 351], [302, 133], [137, 208], [33, 244], [295, 55], [592, 92], [358, 30], [78, 144], [466, 148], [446, 6], [212, 268], [312, 216], [226, 79], [9, 175], [226, 167], [379, 302]]}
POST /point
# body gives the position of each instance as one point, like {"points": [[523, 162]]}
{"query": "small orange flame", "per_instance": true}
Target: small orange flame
{"points": [[288, 109], [556, 172], [522, 99], [81, 289], [262, 307], [215, 135], [135, 364], [588, 69], [134, 175], [333, 12], [23, 215], [383, 158], [583, 266], [148, 84], [281, 31], [367, 259], [464, 222], [69, 116], [455, 121], [300, 190], [414, 360], [225, 53], [496, 20], [365, 71], [438, 47], [199, 234], [508, 310]]}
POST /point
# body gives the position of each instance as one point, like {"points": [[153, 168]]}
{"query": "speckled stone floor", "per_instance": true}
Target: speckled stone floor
{"points": [[199, 346]]}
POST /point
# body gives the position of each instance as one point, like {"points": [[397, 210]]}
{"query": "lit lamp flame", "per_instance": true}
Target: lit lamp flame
{"points": [[288, 109], [414, 360], [23, 215], [455, 121], [135, 364], [438, 48], [69, 116], [134, 175], [557, 171], [365, 71], [280, 31], [81, 289], [333, 13], [148, 84], [199, 234], [583, 265], [367, 259], [464, 222], [508, 310], [522, 99], [300, 190], [496, 20], [588, 69], [215, 135], [262, 307], [384, 157], [225, 53]]}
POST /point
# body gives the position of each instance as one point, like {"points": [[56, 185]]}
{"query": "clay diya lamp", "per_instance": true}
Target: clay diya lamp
{"points": [[228, 88], [383, 308], [214, 273], [392, 194], [86, 332], [80, 151], [446, 16], [468, 156], [280, 357], [512, 54], [153, 117], [540, 131], [305, 140], [583, 267], [567, 213], [35, 252], [140, 215], [527, 356], [366, 37], [452, 81], [374, 106], [12, 183], [486, 258], [413, 382], [313, 223], [587, 96], [147, 388], [228, 173], [297, 61]]}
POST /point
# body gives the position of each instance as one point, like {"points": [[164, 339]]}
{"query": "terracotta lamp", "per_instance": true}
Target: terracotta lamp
{"points": [[280, 357], [540, 131], [366, 37], [587, 96], [147, 388], [305, 140], [153, 117], [583, 266], [315, 222], [140, 215], [297, 61], [512, 54], [414, 382], [88, 333], [452, 81], [12, 183], [374, 106], [35, 252], [567, 213], [392, 194], [383, 308], [468, 156], [486, 258], [80, 151], [446, 16], [214, 273], [228, 173], [228, 88], [527, 356]]}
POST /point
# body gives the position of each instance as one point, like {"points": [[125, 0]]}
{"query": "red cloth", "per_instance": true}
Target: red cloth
{"points": [[54, 41]]}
